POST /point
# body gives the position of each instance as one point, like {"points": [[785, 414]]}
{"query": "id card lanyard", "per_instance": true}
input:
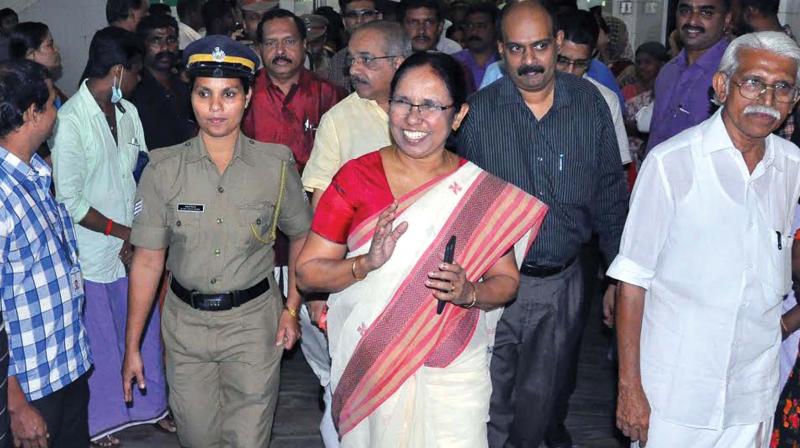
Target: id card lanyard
{"points": [[59, 227]]}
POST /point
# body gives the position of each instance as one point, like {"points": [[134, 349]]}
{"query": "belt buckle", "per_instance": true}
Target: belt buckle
{"points": [[192, 295]]}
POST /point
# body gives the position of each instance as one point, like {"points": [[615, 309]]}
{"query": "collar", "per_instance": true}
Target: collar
{"points": [[509, 94], [715, 138], [20, 170], [709, 60], [197, 150], [90, 104], [370, 104]]}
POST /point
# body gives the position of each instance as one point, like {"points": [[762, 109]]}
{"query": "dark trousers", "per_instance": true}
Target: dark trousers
{"points": [[66, 412], [590, 264], [534, 340]]}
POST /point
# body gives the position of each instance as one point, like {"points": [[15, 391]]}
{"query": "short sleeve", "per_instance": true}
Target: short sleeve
{"points": [[325, 159], [295, 212], [149, 229], [334, 213]]}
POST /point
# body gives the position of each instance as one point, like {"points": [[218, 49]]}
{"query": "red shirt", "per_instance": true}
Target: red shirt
{"points": [[290, 119]]}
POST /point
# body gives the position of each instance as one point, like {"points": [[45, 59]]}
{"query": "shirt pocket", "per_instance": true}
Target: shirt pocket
{"points": [[574, 178], [184, 228], [254, 222], [778, 246]]}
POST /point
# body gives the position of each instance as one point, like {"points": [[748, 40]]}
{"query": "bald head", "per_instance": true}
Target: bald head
{"points": [[526, 11]]}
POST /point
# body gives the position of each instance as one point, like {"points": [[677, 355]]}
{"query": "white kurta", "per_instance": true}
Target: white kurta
{"points": [[711, 244]]}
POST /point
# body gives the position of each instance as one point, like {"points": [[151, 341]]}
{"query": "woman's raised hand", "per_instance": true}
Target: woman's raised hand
{"points": [[385, 238]]}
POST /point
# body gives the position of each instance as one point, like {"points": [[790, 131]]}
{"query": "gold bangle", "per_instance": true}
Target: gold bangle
{"points": [[353, 269], [474, 297], [292, 312]]}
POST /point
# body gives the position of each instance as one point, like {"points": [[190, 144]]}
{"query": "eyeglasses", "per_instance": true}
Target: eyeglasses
{"points": [[426, 110], [578, 63], [359, 13], [752, 88], [366, 60]]}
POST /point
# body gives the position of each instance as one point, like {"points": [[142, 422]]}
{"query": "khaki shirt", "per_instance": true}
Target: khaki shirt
{"points": [[217, 226]]}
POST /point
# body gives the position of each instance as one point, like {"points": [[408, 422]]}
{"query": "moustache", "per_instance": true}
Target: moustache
{"points": [[699, 29], [422, 37], [528, 69], [358, 80], [277, 59], [474, 39], [761, 109], [166, 55]]}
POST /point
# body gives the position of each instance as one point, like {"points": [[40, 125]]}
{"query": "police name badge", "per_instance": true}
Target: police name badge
{"points": [[192, 208], [76, 281]]}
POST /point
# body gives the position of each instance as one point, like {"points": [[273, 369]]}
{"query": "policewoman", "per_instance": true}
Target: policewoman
{"points": [[216, 202]]}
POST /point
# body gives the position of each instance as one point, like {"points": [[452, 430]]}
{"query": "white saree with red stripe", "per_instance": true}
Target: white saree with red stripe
{"points": [[402, 375]]}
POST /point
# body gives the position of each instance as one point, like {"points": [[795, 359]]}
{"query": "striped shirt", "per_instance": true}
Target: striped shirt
{"points": [[569, 159], [41, 304]]}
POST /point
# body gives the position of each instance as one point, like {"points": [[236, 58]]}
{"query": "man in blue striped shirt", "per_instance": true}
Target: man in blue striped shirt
{"points": [[550, 134], [41, 287]]}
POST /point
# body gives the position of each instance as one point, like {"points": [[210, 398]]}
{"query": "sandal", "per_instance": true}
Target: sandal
{"points": [[108, 441]]}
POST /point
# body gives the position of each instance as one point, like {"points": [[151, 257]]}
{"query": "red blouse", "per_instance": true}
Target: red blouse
{"points": [[359, 190]]}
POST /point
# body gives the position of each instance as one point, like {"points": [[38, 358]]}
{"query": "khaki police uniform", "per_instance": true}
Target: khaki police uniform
{"points": [[222, 366]]}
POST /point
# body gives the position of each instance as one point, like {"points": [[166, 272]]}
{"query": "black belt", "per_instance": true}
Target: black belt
{"points": [[535, 270], [221, 301]]}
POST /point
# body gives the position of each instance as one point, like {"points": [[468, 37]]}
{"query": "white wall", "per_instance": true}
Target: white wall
{"points": [[72, 23]]}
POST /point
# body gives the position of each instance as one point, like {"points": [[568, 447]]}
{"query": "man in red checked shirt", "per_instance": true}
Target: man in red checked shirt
{"points": [[288, 100]]}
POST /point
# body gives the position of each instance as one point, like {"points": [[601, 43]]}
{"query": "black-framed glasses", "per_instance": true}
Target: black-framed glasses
{"points": [[359, 13], [753, 88], [367, 60], [427, 109], [578, 63]]}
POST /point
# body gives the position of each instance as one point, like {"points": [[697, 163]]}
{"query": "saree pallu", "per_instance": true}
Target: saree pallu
{"points": [[404, 376]]}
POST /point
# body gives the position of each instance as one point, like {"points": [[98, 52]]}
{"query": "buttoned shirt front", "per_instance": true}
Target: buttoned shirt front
{"points": [[683, 93], [216, 225], [711, 244], [569, 159], [42, 308], [352, 128], [91, 169]]}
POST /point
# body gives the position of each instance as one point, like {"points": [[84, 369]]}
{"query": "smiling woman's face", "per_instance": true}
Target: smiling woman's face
{"points": [[420, 132]]}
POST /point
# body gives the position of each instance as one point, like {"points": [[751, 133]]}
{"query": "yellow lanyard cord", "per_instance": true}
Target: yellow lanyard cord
{"points": [[273, 232]]}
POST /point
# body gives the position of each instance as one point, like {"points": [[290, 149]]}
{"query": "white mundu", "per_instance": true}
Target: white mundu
{"points": [[710, 243]]}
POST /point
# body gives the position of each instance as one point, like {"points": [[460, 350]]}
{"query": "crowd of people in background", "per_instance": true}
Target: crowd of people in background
{"points": [[425, 197]]}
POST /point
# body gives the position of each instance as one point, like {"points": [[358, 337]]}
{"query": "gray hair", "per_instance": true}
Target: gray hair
{"points": [[397, 43], [775, 42]]}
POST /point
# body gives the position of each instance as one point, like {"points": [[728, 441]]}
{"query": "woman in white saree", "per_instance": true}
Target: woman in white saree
{"points": [[403, 375]]}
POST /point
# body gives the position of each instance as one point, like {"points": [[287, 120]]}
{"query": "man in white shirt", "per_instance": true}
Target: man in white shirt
{"points": [[704, 263], [423, 21]]}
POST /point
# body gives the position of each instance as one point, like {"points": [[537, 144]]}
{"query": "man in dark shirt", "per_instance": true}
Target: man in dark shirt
{"points": [[552, 135], [161, 98]]}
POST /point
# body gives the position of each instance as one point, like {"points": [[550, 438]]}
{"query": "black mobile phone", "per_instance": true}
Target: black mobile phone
{"points": [[449, 255]]}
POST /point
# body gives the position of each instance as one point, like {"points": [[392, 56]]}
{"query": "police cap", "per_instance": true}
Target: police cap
{"points": [[220, 56]]}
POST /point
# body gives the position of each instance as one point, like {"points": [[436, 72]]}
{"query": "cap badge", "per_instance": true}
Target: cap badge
{"points": [[218, 55]]}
